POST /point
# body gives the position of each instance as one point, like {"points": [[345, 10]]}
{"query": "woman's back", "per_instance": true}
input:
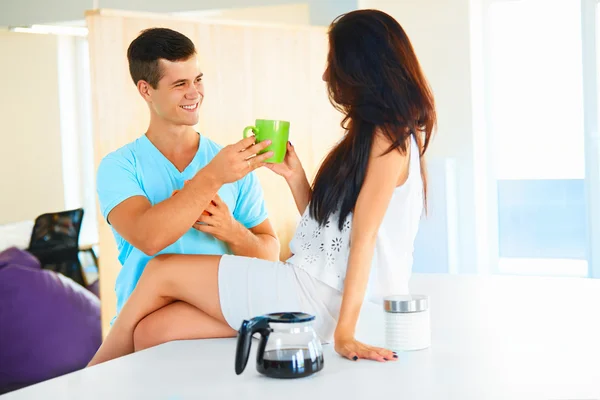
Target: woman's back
{"points": [[323, 251]]}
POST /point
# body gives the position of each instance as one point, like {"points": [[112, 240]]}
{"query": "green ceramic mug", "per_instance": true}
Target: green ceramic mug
{"points": [[276, 131]]}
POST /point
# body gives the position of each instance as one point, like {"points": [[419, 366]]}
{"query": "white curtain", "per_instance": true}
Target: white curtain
{"points": [[76, 132]]}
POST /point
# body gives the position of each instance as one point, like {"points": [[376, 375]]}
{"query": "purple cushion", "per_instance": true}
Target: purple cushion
{"points": [[50, 325], [15, 256], [95, 287]]}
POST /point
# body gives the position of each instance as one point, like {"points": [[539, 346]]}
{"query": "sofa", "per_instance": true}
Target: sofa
{"points": [[49, 325]]}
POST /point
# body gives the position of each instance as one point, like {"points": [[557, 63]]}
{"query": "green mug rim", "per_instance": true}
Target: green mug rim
{"points": [[271, 120]]}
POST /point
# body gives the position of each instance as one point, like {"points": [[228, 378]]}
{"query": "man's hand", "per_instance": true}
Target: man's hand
{"points": [[258, 242], [237, 160], [216, 220]]}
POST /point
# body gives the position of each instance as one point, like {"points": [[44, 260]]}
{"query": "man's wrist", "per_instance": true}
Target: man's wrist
{"points": [[209, 178], [238, 235]]}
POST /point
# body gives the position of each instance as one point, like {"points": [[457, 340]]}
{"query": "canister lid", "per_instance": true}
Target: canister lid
{"points": [[406, 304]]}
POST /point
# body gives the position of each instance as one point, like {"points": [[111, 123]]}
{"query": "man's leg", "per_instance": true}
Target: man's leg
{"points": [[178, 321]]}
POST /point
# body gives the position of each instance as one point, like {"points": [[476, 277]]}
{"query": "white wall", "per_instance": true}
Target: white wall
{"points": [[293, 14], [31, 180], [27, 12], [440, 33]]}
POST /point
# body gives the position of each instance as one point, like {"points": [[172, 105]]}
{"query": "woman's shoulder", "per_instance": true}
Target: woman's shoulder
{"points": [[383, 143]]}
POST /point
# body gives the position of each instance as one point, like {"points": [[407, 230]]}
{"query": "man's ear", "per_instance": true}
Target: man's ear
{"points": [[145, 89]]}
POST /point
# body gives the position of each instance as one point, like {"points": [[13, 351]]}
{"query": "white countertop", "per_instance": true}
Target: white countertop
{"points": [[492, 338]]}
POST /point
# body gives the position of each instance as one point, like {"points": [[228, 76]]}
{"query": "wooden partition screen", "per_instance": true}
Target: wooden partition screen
{"points": [[250, 71]]}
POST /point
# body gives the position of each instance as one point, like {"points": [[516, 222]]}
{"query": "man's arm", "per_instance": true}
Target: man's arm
{"points": [[153, 228], [260, 241]]}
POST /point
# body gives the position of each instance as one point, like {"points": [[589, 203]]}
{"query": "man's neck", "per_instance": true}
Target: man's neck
{"points": [[172, 139]]}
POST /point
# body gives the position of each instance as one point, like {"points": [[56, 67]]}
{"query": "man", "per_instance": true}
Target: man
{"points": [[173, 190]]}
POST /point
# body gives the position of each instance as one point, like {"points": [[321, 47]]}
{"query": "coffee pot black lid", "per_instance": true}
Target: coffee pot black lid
{"points": [[290, 317]]}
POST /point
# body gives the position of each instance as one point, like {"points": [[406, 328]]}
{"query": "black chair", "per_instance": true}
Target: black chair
{"points": [[55, 242]]}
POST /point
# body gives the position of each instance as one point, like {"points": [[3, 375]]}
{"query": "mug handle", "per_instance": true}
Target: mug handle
{"points": [[248, 129]]}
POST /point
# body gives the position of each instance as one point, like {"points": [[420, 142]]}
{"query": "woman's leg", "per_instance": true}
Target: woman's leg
{"points": [[178, 321], [166, 279]]}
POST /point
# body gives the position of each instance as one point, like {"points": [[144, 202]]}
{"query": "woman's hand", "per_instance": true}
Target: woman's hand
{"points": [[352, 349], [290, 168]]}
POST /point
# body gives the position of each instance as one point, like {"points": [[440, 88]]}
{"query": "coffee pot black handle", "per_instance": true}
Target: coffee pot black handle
{"points": [[244, 340]]}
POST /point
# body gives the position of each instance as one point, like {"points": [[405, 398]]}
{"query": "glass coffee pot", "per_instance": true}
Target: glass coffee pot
{"points": [[288, 348]]}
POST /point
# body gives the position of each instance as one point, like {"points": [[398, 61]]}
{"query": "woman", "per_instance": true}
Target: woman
{"points": [[359, 220]]}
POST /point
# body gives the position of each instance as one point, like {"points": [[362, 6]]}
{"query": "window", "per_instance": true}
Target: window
{"points": [[536, 122]]}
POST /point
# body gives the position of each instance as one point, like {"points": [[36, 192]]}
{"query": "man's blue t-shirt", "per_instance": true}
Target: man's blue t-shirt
{"points": [[140, 169]]}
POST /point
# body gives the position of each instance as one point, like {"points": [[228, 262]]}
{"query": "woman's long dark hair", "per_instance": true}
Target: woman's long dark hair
{"points": [[373, 78]]}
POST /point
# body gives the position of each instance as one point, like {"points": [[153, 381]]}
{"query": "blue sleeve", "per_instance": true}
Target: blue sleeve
{"points": [[116, 181], [250, 209]]}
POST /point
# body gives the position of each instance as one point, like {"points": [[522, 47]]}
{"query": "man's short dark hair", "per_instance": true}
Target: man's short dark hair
{"points": [[150, 46]]}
